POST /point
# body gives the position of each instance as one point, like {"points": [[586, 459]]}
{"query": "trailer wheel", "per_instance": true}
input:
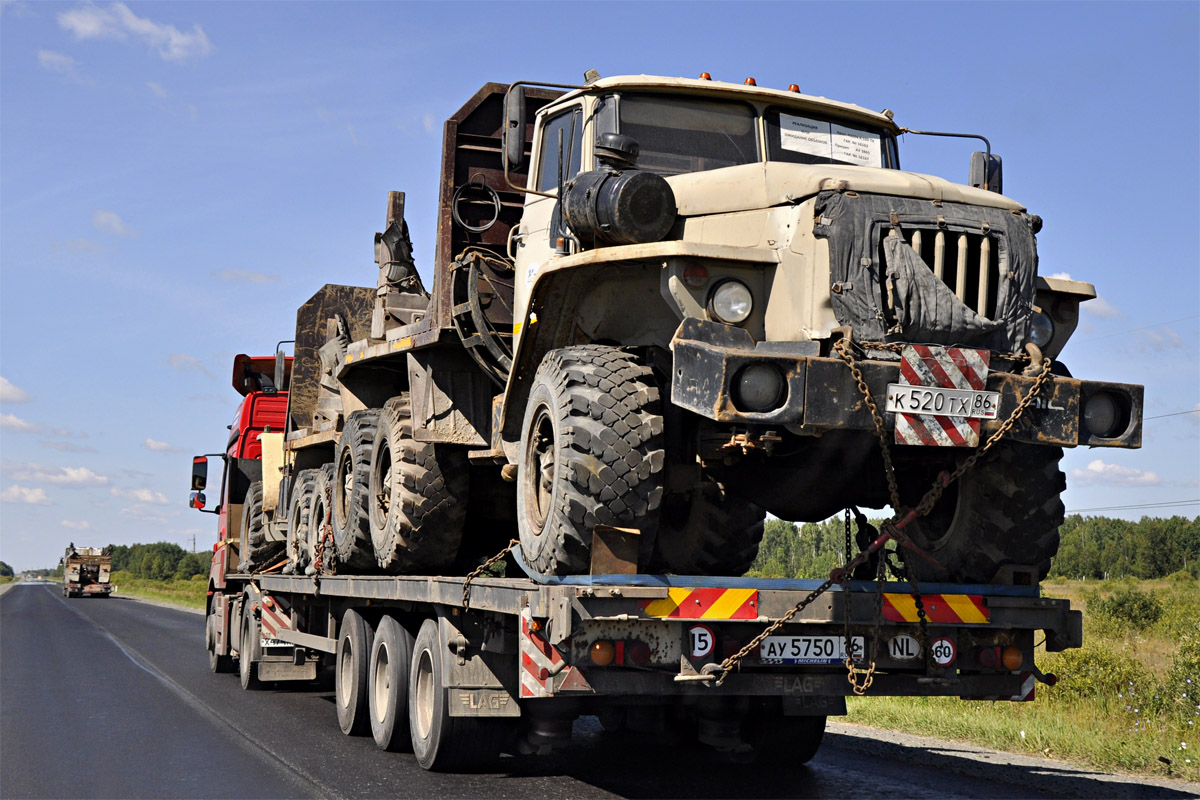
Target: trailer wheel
{"points": [[711, 534], [387, 693], [217, 663], [351, 485], [299, 546], [1006, 511], [351, 681], [591, 454], [440, 742], [796, 739], [248, 652], [418, 495]]}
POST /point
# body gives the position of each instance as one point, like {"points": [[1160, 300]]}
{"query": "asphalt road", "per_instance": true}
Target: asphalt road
{"points": [[113, 698]]}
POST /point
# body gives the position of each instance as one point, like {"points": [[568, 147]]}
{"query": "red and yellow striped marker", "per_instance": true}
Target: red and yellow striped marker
{"points": [[952, 608], [708, 603]]}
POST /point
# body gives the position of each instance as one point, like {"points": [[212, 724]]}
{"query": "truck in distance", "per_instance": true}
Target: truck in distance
{"points": [[86, 572], [661, 309]]}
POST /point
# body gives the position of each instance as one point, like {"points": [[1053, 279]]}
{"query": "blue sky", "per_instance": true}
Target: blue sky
{"points": [[176, 178]]}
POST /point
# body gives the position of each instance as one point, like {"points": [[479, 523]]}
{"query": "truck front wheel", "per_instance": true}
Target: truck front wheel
{"points": [[591, 454], [418, 495], [248, 652], [217, 663], [1004, 512]]}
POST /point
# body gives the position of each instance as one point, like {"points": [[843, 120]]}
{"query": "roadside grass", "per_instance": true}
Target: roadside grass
{"points": [[1128, 700], [187, 593], [6, 579]]}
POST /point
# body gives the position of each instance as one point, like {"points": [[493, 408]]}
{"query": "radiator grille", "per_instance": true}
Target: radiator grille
{"points": [[967, 263]]}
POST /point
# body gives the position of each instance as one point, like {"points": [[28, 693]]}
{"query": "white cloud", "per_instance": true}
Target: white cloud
{"points": [[1062, 276], [110, 222], [244, 276], [1158, 340], [63, 476], [145, 513], [185, 363], [81, 525], [353, 135], [1101, 473], [10, 393], [69, 447], [429, 123], [60, 64], [25, 496], [1099, 307], [157, 89], [11, 422], [160, 447], [147, 496], [118, 22]]}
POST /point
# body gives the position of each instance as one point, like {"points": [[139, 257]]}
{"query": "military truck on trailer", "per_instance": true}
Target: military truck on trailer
{"points": [[661, 309], [86, 572]]}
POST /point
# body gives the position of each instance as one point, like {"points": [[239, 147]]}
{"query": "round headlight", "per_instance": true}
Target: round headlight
{"points": [[731, 302], [1042, 329], [759, 388], [1101, 415]]}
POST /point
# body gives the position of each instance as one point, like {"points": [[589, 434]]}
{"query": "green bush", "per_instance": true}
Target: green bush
{"points": [[1128, 604], [1181, 687], [1099, 670]]}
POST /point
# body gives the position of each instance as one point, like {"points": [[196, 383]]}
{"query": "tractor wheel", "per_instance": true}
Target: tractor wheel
{"points": [[418, 496], [255, 548], [591, 454], [710, 534], [351, 485], [1005, 511], [299, 547]]}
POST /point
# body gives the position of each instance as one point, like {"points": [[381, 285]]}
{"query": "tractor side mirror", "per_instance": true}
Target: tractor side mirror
{"points": [[514, 128], [199, 473], [987, 172]]}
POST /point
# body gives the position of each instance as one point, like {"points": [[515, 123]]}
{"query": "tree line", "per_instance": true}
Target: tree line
{"points": [[1091, 547], [158, 561]]}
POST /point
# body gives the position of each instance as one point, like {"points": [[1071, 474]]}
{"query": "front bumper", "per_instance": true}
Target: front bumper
{"points": [[821, 394]]}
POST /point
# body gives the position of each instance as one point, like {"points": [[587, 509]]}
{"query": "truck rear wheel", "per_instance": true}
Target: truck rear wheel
{"points": [[418, 495], [391, 657], [248, 652], [299, 546], [441, 742], [217, 663], [1005, 511], [712, 534], [351, 485], [353, 655], [591, 454]]}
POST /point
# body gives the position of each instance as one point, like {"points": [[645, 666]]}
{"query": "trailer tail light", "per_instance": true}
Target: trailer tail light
{"points": [[638, 652], [602, 653], [619, 653], [988, 657], [1000, 657], [1012, 658]]}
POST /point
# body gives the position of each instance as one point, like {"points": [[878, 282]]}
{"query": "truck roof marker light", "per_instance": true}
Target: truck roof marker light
{"points": [[793, 88], [704, 76], [751, 82]]}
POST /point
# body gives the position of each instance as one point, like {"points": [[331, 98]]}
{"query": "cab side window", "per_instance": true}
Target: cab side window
{"points": [[570, 123]]}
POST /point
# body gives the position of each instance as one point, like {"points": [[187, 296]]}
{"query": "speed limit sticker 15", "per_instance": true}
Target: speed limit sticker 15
{"points": [[943, 651], [700, 641]]}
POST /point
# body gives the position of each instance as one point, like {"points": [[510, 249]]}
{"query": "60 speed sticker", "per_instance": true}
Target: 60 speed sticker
{"points": [[943, 651]]}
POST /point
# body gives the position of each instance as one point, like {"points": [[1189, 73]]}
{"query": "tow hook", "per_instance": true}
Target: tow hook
{"points": [[1050, 679]]}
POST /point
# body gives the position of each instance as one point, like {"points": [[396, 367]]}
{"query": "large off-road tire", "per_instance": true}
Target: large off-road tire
{"points": [[418, 496], [352, 658], [387, 690], [591, 454], [709, 533], [320, 515], [299, 526], [254, 544], [351, 486], [216, 663], [1007, 510], [442, 742]]}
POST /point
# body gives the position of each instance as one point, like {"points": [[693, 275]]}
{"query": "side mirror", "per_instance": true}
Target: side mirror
{"points": [[199, 473], [514, 127], [197, 501], [280, 370], [987, 172]]}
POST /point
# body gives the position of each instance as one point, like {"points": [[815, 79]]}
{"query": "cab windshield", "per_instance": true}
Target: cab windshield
{"points": [[694, 134]]}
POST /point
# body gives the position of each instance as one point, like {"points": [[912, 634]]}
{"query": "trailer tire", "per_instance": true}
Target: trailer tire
{"points": [[353, 655], [418, 496], [387, 692], [1006, 511], [439, 741], [794, 739], [714, 534], [248, 652], [216, 663], [299, 544], [591, 454], [351, 486]]}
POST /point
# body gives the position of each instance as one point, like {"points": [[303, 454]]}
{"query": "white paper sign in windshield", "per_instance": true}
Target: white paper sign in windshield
{"points": [[816, 137]]}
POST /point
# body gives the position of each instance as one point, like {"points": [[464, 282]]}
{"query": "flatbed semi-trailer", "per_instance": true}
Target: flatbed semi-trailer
{"points": [[520, 660]]}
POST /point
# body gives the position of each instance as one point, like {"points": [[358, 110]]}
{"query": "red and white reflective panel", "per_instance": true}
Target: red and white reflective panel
{"points": [[960, 369], [539, 660]]}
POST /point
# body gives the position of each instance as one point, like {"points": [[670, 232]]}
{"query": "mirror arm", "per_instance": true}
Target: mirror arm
{"points": [[504, 149], [986, 144]]}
